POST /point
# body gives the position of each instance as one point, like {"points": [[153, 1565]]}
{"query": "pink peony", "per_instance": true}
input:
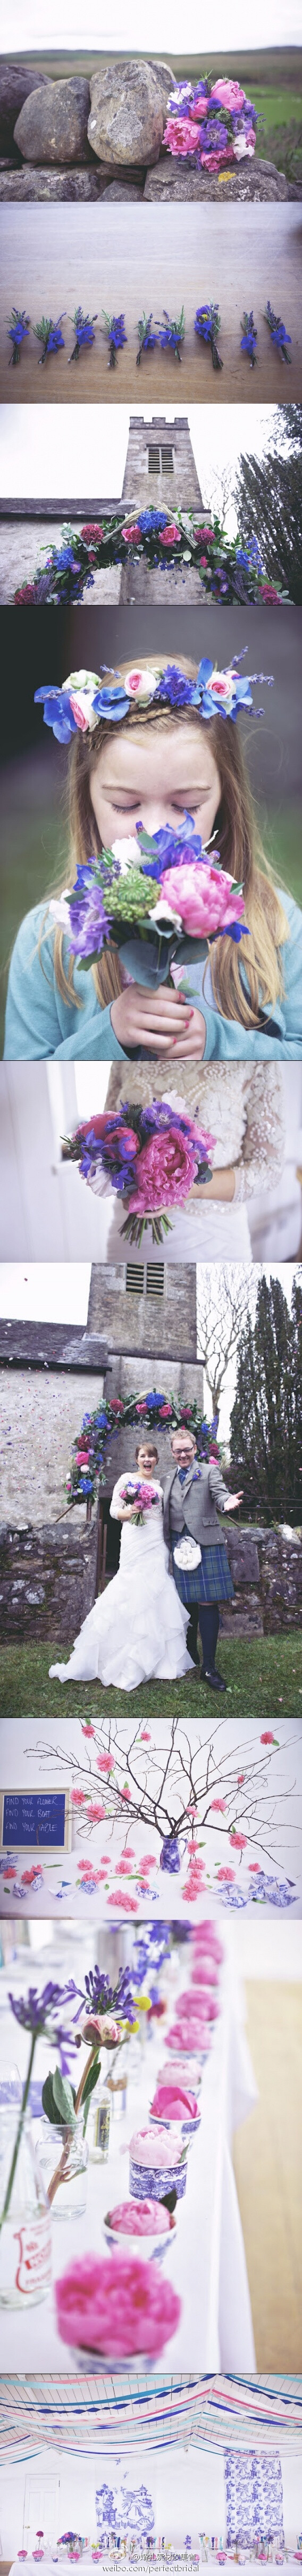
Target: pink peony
{"points": [[170, 2102], [131, 534], [170, 536], [105, 1762], [168, 1165], [117, 2307], [203, 896], [180, 136], [140, 2218], [101, 2032], [229, 93]]}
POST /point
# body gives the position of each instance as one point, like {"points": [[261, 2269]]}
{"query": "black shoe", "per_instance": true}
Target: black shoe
{"points": [[214, 1679]]}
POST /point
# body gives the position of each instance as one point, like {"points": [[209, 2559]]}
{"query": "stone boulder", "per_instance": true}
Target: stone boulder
{"points": [[29, 187], [121, 190], [128, 109], [52, 125], [255, 181], [16, 83]]}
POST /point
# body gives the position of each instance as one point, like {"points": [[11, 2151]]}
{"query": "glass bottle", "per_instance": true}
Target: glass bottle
{"points": [[25, 2232]]}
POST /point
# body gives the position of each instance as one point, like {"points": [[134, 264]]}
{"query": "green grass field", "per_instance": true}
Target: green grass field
{"points": [[277, 66], [261, 1678]]}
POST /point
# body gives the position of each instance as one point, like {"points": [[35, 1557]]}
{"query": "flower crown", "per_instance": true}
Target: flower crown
{"points": [[85, 697]]}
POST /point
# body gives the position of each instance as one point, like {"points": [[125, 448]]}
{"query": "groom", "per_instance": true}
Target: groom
{"points": [[193, 1495]]}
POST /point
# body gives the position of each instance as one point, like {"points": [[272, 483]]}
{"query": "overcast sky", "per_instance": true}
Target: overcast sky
{"points": [[81, 449], [57, 1292], [41, 23]]}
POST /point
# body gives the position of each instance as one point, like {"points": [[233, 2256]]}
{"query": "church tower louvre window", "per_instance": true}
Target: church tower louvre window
{"points": [[145, 1279]]}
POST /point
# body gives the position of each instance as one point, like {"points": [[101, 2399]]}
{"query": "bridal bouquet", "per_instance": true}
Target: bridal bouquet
{"points": [[151, 1156], [160, 892], [142, 1496], [211, 124]]}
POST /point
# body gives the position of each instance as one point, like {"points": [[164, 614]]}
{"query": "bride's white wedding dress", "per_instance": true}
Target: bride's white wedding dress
{"points": [[136, 1631]]}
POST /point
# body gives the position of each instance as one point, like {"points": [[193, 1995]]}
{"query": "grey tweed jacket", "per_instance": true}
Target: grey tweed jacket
{"points": [[194, 1506]]}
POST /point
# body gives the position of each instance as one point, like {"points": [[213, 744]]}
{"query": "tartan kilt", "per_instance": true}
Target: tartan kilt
{"points": [[209, 1581]]}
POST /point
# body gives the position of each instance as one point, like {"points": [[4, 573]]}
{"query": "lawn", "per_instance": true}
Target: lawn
{"points": [[261, 1678]]}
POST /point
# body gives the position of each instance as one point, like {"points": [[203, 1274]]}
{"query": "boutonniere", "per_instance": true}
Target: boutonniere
{"points": [[248, 343], [172, 335], [147, 338], [84, 332], [51, 335], [278, 333], [18, 331], [116, 334], [207, 325]]}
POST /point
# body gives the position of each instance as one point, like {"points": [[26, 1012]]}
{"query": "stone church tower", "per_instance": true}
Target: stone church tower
{"points": [[160, 473]]}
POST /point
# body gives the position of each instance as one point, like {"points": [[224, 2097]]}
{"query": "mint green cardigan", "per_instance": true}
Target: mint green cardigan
{"points": [[40, 1023]]}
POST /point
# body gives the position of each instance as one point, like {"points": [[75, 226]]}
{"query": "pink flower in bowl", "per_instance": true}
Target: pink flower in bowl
{"points": [[116, 2307]]}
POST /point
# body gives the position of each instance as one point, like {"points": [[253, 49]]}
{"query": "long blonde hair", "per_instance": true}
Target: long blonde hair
{"points": [[241, 853]]}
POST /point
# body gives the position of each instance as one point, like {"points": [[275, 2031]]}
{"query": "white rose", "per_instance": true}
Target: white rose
{"points": [[140, 684], [82, 680], [126, 852]]}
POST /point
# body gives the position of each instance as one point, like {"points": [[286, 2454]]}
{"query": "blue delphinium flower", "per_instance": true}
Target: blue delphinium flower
{"points": [[84, 331], [248, 342], [278, 333], [147, 338], [207, 325], [51, 335], [18, 331], [88, 918], [116, 334]]}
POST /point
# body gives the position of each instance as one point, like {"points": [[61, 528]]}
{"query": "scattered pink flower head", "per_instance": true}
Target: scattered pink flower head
{"points": [[220, 1804], [96, 1812], [117, 2307], [105, 1762], [238, 1841], [268, 1737]]}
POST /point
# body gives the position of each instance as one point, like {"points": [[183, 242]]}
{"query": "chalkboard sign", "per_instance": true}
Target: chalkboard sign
{"points": [[35, 1820]]}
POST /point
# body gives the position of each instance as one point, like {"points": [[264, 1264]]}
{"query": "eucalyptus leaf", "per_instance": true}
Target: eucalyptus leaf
{"points": [[63, 2098]]}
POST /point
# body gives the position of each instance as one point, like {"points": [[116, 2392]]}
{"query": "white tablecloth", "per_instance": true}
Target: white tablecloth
{"points": [[207, 2263]]}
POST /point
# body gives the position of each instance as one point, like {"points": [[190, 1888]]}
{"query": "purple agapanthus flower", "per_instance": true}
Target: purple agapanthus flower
{"points": [[18, 331], [85, 334], [278, 333], [42, 2016], [248, 342], [101, 1997]]}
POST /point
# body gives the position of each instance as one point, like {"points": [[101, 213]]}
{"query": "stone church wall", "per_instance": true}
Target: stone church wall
{"points": [[48, 1581]]}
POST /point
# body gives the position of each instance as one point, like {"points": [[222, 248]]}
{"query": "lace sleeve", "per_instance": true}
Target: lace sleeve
{"points": [[262, 1153]]}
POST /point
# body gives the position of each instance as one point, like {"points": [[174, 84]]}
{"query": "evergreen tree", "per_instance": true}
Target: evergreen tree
{"points": [[267, 1413], [268, 499]]}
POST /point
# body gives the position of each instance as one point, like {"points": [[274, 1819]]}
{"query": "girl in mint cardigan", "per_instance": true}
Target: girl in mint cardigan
{"points": [[147, 748]]}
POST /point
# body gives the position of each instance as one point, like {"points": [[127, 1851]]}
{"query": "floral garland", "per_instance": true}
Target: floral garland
{"points": [[151, 1412], [210, 125], [227, 570]]}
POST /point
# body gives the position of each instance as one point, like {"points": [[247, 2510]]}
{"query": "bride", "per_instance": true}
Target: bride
{"points": [[136, 1631]]}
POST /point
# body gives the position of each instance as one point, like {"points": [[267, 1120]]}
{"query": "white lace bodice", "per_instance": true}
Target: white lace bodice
{"points": [[242, 1106]]}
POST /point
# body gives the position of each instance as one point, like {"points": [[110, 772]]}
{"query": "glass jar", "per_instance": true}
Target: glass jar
{"points": [[60, 2146], [98, 2124], [25, 2234]]}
